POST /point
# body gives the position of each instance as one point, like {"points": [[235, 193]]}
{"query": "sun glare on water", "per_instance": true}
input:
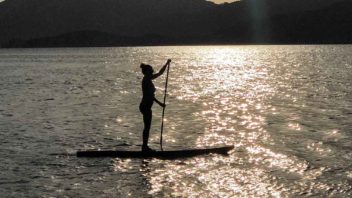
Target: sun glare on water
{"points": [[230, 87]]}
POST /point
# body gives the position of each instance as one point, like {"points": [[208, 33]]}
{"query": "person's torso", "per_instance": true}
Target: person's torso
{"points": [[148, 89]]}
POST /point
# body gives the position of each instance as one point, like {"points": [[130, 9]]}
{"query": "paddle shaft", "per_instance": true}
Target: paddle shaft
{"points": [[162, 116]]}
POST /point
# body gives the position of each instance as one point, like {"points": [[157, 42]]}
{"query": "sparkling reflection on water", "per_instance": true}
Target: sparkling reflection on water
{"points": [[286, 109]]}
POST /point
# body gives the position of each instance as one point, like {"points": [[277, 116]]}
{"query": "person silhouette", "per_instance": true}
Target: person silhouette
{"points": [[148, 99]]}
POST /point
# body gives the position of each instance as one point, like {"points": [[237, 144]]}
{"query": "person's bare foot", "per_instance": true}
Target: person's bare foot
{"points": [[147, 149]]}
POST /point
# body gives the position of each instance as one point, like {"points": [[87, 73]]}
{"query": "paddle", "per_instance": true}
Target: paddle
{"points": [[162, 117]]}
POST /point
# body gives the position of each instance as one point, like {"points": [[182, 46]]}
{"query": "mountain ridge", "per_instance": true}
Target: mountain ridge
{"points": [[173, 22]]}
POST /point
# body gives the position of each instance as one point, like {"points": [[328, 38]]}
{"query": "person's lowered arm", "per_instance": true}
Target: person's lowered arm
{"points": [[159, 103]]}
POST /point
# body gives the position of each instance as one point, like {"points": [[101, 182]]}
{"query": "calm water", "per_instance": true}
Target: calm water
{"points": [[286, 109]]}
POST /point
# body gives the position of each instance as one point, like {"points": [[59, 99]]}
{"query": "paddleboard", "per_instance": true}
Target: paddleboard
{"points": [[172, 154]]}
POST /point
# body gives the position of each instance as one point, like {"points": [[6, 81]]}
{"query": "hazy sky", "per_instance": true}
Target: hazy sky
{"points": [[222, 1], [216, 1]]}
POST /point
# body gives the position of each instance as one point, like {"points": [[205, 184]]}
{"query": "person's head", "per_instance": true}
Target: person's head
{"points": [[147, 70]]}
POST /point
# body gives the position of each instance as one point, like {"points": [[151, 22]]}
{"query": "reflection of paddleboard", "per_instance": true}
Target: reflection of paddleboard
{"points": [[156, 154]]}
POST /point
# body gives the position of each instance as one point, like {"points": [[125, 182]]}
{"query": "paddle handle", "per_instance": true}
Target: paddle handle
{"points": [[163, 113]]}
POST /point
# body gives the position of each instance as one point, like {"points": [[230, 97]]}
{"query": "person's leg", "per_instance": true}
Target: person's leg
{"points": [[147, 119]]}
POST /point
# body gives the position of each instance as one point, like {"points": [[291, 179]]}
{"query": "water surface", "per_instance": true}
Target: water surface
{"points": [[286, 109]]}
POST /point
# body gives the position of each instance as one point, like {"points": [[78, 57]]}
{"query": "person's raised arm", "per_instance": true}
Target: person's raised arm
{"points": [[162, 69]]}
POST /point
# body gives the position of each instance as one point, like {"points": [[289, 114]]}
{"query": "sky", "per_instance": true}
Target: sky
{"points": [[222, 1], [216, 1]]}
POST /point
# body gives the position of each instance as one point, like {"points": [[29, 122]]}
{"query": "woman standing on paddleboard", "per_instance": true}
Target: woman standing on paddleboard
{"points": [[148, 99]]}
